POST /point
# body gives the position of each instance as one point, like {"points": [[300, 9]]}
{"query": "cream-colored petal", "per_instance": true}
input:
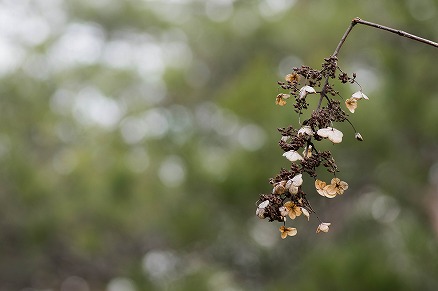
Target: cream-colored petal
{"points": [[264, 204], [330, 191], [323, 227], [297, 180], [335, 181], [292, 156], [306, 90], [351, 104], [331, 133], [291, 231], [283, 211], [305, 213], [260, 212], [359, 95], [293, 189], [306, 130]]}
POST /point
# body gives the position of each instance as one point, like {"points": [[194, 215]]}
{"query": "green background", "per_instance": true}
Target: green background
{"points": [[136, 137]]}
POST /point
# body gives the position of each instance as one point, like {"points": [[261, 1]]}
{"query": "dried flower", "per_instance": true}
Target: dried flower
{"points": [[351, 104], [306, 90], [359, 95], [292, 156], [307, 153], [306, 130], [358, 136], [323, 227], [287, 231], [279, 188], [292, 77], [281, 99], [294, 183], [320, 185], [334, 135], [291, 209], [337, 187], [260, 211]]}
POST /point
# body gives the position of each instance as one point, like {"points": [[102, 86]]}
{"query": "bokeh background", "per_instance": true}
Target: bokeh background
{"points": [[137, 135]]}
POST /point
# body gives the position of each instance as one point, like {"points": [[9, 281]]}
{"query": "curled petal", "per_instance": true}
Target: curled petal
{"points": [[305, 213], [358, 136], [323, 227], [292, 156], [306, 90]]}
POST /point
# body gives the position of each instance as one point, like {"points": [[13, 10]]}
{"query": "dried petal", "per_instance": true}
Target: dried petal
{"points": [[323, 227], [307, 153], [306, 130], [292, 77], [320, 185], [351, 104], [297, 180], [287, 231], [306, 90], [281, 99], [292, 156], [358, 136], [305, 213], [359, 95], [334, 135], [264, 204]]}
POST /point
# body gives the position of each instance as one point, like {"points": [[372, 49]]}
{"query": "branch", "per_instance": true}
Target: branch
{"points": [[375, 25]]}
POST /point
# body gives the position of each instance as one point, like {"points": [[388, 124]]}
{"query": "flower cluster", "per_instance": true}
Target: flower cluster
{"points": [[287, 199]]}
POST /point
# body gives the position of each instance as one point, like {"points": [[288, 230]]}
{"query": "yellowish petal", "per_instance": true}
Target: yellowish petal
{"points": [[330, 191], [351, 104]]}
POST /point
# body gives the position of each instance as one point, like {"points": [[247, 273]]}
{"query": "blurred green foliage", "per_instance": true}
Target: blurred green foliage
{"points": [[137, 135]]}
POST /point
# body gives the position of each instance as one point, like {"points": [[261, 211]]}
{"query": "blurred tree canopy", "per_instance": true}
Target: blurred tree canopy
{"points": [[137, 135]]}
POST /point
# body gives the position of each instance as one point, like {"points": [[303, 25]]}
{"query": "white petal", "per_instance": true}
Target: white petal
{"points": [[297, 180], [306, 213], [264, 204], [285, 138], [260, 213], [331, 133], [306, 90], [306, 130], [292, 156], [293, 189], [309, 89], [359, 95]]}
